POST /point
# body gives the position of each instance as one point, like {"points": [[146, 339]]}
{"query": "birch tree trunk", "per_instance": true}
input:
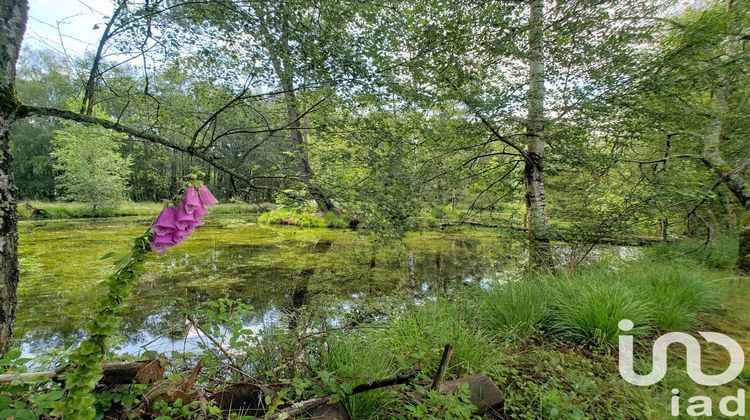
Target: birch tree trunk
{"points": [[540, 254], [13, 15]]}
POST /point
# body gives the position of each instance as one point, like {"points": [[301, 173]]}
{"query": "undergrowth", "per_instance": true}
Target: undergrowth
{"points": [[548, 341]]}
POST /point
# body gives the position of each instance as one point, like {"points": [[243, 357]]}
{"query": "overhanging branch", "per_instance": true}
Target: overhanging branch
{"points": [[25, 111]]}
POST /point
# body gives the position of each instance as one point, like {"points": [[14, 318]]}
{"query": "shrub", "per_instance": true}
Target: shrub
{"points": [[333, 220]]}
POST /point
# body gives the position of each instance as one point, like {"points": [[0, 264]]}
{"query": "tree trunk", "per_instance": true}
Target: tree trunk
{"points": [[733, 179], [87, 107], [743, 256], [284, 68], [713, 158], [299, 143], [540, 254], [664, 229], [13, 15]]}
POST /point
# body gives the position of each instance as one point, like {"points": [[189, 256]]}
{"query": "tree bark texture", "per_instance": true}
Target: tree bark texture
{"points": [[13, 16], [540, 254]]}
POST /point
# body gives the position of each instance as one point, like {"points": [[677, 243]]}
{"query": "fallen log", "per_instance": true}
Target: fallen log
{"points": [[567, 237], [114, 373]]}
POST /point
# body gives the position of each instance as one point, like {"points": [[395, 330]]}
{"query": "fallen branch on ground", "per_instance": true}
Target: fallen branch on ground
{"points": [[305, 406], [144, 372]]}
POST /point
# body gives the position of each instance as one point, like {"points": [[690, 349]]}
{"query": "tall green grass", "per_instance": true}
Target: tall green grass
{"points": [[422, 332], [589, 310], [678, 291], [517, 308], [528, 336], [415, 337], [720, 254], [357, 360], [586, 305]]}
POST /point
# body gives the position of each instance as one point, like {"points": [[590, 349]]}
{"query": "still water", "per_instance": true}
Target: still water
{"points": [[273, 269]]}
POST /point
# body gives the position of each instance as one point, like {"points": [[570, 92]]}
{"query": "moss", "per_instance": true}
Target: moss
{"points": [[292, 217], [9, 102]]}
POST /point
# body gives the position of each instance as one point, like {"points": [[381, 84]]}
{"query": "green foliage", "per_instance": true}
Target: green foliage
{"points": [[92, 170], [356, 359], [123, 396], [179, 409], [745, 376], [421, 333], [553, 380], [292, 217], [33, 164], [586, 305], [720, 254], [452, 405], [78, 401]]}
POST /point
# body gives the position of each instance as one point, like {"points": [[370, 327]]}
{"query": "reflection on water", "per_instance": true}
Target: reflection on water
{"points": [[276, 270]]}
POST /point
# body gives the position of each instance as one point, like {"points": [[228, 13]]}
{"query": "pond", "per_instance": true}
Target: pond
{"points": [[273, 269]]}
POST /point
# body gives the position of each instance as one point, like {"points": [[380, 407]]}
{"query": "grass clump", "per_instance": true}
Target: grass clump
{"points": [[292, 217], [588, 310], [357, 360], [423, 331], [586, 305], [679, 292], [517, 308]]}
